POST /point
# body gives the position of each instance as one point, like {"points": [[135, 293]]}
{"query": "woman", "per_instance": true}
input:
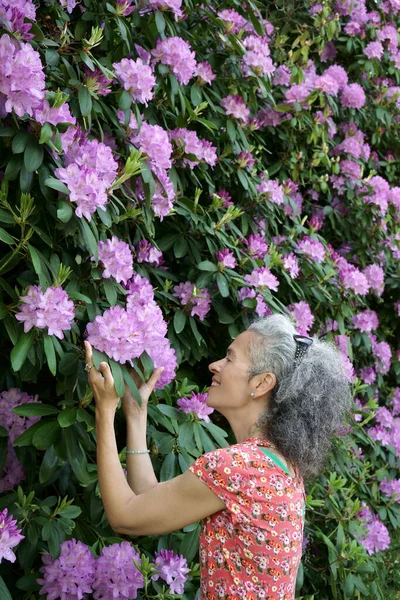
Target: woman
{"points": [[284, 397]]}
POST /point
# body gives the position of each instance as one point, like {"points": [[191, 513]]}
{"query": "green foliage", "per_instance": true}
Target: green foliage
{"points": [[43, 242]]}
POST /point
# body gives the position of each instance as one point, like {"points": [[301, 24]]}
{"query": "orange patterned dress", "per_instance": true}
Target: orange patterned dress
{"points": [[252, 549]]}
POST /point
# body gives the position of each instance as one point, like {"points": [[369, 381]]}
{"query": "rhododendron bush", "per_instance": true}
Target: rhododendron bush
{"points": [[170, 170]]}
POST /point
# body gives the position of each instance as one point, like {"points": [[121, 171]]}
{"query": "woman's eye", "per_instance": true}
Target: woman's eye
{"points": [[228, 359]]}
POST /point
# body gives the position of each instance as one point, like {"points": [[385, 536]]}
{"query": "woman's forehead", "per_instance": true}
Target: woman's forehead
{"points": [[240, 344]]}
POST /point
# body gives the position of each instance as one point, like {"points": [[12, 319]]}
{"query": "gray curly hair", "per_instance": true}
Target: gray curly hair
{"points": [[309, 403]]}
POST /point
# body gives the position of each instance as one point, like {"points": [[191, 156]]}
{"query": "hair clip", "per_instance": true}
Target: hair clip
{"points": [[302, 344]]}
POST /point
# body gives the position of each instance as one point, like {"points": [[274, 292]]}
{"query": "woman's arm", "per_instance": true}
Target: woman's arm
{"points": [[165, 506], [141, 476]]}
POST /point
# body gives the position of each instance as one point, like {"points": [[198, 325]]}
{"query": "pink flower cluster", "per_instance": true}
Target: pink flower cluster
{"points": [[22, 85], [176, 54], [173, 569], [272, 190], [376, 537], [162, 200], [235, 106], [53, 114], [173, 5], [188, 142], [233, 22], [301, 311], [52, 309], [89, 172], [390, 487], [148, 253], [312, 248], [197, 300], [261, 309], [197, 403], [13, 472], [382, 353], [117, 259], [125, 333], [205, 73], [291, 264], [137, 78], [226, 258], [153, 141], [76, 572], [257, 59], [366, 321], [10, 536], [256, 246], [13, 14], [262, 278]]}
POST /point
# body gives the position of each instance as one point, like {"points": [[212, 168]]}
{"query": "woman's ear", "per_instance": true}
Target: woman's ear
{"points": [[266, 382]]}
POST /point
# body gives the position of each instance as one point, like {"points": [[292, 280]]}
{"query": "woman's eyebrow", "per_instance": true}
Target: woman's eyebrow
{"points": [[231, 351]]}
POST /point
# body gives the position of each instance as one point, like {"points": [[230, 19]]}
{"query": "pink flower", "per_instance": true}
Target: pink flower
{"points": [[197, 403], [177, 55], [173, 569], [373, 50], [262, 278], [198, 300], [235, 106], [148, 253], [272, 190], [137, 78], [226, 258], [10, 536], [291, 263], [367, 375], [173, 5], [366, 321], [153, 141], [375, 278], [116, 576], [353, 96], [204, 72], [117, 259], [232, 20], [52, 309], [256, 246], [303, 315], [22, 81], [328, 84], [312, 248]]}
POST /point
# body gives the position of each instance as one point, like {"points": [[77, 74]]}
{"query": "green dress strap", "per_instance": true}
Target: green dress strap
{"points": [[275, 459]]}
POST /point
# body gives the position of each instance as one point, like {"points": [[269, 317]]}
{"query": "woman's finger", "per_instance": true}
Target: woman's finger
{"points": [[89, 353], [153, 379], [106, 372]]}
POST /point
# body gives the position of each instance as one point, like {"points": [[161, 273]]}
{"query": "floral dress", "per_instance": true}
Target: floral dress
{"points": [[252, 549]]}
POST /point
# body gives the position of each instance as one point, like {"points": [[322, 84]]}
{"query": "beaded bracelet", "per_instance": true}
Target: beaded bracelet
{"points": [[137, 451]]}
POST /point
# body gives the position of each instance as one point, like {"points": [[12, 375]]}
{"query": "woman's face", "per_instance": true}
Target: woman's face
{"points": [[231, 387]]}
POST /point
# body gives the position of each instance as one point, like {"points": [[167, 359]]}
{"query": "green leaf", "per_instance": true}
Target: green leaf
{"points": [[37, 264], [195, 95], [222, 285], [50, 354], [132, 385], [179, 320], [77, 457], [125, 101], [89, 239], [46, 435], [49, 465], [169, 411], [64, 211], [4, 593], [243, 178], [13, 167], [167, 470], [20, 141], [46, 133], [33, 155], [207, 265], [21, 349], [85, 101], [160, 22], [67, 416], [147, 364], [110, 291], [231, 130], [117, 373], [190, 544], [6, 237], [55, 184], [35, 409], [185, 434]]}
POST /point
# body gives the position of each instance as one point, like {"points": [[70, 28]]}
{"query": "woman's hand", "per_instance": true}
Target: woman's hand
{"points": [[130, 406], [102, 383]]}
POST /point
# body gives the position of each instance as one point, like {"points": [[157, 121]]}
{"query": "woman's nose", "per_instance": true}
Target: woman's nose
{"points": [[213, 367]]}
